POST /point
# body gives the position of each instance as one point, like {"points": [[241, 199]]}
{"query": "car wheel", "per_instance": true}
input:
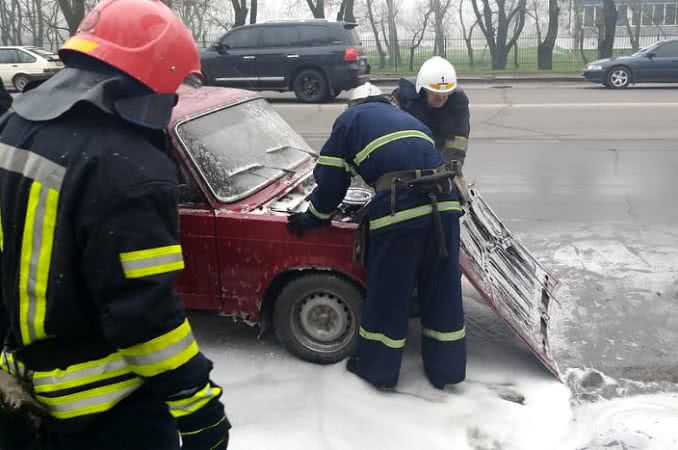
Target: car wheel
{"points": [[618, 77], [317, 317], [20, 81], [310, 86]]}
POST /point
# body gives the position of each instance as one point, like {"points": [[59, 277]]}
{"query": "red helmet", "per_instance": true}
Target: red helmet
{"points": [[142, 38]]}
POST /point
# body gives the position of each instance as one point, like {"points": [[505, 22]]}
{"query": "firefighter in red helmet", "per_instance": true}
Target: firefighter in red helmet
{"points": [[92, 330]]}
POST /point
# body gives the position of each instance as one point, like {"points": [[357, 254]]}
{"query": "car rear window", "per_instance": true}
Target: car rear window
{"points": [[351, 37], [243, 148]]}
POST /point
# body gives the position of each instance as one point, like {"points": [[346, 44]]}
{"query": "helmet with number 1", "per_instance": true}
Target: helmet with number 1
{"points": [[142, 38], [437, 75]]}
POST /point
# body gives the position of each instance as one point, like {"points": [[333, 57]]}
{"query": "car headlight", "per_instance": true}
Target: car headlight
{"points": [[594, 67]]}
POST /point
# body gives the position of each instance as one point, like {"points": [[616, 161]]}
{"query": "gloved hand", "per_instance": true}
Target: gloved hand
{"points": [[299, 222], [205, 429]]}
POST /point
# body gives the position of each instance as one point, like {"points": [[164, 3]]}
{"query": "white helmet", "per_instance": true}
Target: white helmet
{"points": [[437, 75], [360, 93]]}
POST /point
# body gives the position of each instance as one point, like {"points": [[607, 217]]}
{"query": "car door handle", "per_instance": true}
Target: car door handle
{"points": [[249, 57], [293, 56]]}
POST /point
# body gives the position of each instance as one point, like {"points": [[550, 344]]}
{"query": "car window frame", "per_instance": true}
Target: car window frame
{"points": [[252, 30], [10, 50], [273, 28], [21, 51]]}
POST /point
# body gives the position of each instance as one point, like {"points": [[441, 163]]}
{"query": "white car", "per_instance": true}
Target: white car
{"points": [[19, 65]]}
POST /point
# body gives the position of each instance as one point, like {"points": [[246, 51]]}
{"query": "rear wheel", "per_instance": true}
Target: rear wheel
{"points": [[618, 77], [310, 86], [20, 82], [317, 317]]}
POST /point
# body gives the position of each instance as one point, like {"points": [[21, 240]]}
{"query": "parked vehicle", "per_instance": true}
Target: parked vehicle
{"points": [[243, 170], [19, 65], [657, 63], [316, 59]]}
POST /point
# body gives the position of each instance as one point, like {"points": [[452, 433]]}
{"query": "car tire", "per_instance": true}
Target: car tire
{"points": [[20, 82], [310, 86], [317, 317], [618, 77]]}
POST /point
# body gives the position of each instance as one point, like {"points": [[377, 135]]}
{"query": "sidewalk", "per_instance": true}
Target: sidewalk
{"points": [[390, 80]]}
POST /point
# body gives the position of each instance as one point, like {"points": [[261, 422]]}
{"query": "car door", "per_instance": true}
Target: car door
{"points": [[236, 64], [666, 59], [275, 57], [10, 64]]}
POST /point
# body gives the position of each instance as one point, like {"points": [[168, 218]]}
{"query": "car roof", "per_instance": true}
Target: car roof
{"points": [[194, 101]]}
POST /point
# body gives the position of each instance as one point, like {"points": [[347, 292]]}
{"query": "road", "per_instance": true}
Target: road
{"points": [[586, 177]]}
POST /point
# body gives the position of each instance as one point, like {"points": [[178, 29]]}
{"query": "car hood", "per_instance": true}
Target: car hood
{"points": [[607, 61]]}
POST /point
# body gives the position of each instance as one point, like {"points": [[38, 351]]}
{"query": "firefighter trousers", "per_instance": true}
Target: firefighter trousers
{"points": [[399, 260]]}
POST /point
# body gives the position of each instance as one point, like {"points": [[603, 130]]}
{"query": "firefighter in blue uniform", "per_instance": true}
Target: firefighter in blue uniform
{"points": [[394, 153], [436, 99], [89, 247]]}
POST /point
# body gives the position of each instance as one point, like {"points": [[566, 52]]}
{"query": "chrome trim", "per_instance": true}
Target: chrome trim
{"points": [[237, 79]]}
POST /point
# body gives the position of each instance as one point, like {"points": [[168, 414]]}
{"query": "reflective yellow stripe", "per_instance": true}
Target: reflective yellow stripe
{"points": [[114, 365], [317, 213], [91, 401], [412, 213], [186, 406], [26, 289], [191, 433], [388, 138], [44, 261], [153, 261], [333, 161], [445, 336], [458, 143], [166, 352], [378, 337]]}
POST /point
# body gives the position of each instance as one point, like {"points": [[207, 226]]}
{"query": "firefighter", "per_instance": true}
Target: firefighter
{"points": [[89, 247], [436, 100], [414, 195], [5, 99]]}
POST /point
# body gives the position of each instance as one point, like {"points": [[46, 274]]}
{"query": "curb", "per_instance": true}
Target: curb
{"points": [[390, 81]]}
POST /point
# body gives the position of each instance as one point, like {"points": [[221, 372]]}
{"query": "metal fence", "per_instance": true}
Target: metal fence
{"points": [[570, 53]]}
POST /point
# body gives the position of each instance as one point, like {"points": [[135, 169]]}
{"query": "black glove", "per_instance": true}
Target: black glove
{"points": [[299, 222], [205, 429]]}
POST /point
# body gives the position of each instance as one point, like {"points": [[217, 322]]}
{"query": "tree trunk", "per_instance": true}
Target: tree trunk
{"points": [[609, 28], [346, 11], [393, 34], [73, 11], [253, 11], [240, 12], [375, 31], [497, 37], [545, 47], [318, 9]]}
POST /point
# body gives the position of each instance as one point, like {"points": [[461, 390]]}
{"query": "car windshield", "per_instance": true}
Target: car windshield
{"points": [[241, 149], [646, 49]]}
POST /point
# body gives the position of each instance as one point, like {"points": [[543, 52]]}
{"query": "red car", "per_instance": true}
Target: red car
{"points": [[243, 170]]}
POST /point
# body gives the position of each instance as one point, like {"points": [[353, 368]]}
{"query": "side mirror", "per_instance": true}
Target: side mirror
{"points": [[651, 55]]}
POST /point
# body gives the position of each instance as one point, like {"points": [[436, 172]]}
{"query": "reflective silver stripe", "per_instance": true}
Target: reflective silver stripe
{"points": [[32, 166], [163, 354], [379, 337], [91, 371], [91, 401], [458, 143], [412, 213], [443, 336], [151, 262], [189, 405], [333, 161]]}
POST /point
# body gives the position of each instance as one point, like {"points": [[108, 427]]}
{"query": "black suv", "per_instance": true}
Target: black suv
{"points": [[316, 59]]}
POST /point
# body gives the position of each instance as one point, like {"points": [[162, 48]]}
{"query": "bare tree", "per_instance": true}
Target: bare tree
{"points": [[317, 8], [394, 47], [607, 27], [545, 46], [468, 34], [240, 12], [440, 9], [375, 30], [346, 11], [496, 33], [73, 11], [417, 28]]}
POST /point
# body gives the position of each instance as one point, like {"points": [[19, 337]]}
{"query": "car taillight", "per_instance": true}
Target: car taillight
{"points": [[351, 54]]}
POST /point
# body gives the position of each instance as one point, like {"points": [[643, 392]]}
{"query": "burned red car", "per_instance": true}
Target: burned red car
{"points": [[243, 171]]}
